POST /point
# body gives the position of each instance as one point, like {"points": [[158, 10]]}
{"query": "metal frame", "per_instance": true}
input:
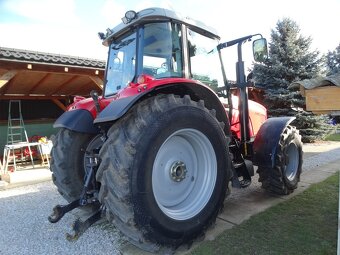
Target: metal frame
{"points": [[9, 151]]}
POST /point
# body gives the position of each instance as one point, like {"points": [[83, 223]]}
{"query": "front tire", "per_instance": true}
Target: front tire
{"points": [[164, 171], [283, 178]]}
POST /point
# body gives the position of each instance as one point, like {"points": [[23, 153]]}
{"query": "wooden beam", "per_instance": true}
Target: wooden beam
{"points": [[63, 85], [75, 91], [50, 68], [30, 97], [4, 89], [43, 79], [60, 104], [99, 82], [6, 77]]}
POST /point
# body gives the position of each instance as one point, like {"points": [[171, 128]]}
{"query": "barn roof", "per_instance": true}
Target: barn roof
{"points": [[49, 58]]}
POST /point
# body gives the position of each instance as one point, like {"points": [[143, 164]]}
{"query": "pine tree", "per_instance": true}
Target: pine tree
{"points": [[333, 61], [290, 60]]}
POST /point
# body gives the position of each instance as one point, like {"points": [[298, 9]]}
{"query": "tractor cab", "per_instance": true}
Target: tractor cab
{"points": [[157, 47], [158, 44]]}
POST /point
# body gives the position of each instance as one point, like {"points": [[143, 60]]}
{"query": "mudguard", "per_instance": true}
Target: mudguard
{"points": [[267, 140], [79, 120], [121, 105], [117, 108]]}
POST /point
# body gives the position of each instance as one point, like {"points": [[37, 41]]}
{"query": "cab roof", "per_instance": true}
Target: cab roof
{"points": [[157, 14]]}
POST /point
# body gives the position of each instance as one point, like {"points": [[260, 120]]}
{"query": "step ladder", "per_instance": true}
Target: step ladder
{"points": [[16, 132], [17, 138]]}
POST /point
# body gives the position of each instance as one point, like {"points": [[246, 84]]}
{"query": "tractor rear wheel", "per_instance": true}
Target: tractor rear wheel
{"points": [[283, 178], [68, 161], [164, 172]]}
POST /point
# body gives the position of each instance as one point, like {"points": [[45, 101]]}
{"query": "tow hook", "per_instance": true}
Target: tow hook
{"points": [[86, 197]]}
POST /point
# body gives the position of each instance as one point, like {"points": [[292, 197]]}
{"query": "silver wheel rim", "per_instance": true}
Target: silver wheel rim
{"points": [[184, 174], [292, 161]]}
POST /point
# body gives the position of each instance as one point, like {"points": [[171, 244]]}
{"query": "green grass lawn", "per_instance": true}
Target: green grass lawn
{"points": [[333, 137], [305, 224]]}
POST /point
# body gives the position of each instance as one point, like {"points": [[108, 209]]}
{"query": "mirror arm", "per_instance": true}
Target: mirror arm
{"points": [[233, 42]]}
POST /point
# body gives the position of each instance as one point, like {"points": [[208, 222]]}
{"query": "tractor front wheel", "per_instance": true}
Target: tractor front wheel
{"points": [[283, 178], [164, 171]]}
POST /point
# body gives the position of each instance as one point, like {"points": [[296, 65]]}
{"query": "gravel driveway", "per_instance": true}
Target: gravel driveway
{"points": [[24, 228]]}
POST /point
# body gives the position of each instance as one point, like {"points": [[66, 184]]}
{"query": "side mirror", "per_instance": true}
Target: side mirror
{"points": [[260, 50]]}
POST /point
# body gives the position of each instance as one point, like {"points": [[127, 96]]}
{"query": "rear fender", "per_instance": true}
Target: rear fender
{"points": [[79, 120], [117, 108], [267, 140]]}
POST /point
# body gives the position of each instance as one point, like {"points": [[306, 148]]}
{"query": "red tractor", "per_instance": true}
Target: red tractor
{"points": [[157, 152]]}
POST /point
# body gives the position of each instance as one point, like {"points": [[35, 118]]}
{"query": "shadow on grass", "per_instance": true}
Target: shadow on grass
{"points": [[305, 224]]}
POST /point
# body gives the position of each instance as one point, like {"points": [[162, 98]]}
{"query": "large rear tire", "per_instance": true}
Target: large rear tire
{"points": [[164, 172], [68, 161], [283, 178]]}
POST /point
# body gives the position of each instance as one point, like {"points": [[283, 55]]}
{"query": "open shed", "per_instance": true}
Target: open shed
{"points": [[45, 83], [31, 75]]}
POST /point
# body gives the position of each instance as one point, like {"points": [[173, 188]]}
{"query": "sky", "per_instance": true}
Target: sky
{"points": [[70, 27]]}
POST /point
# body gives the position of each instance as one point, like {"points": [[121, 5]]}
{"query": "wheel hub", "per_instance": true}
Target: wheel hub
{"points": [[178, 171]]}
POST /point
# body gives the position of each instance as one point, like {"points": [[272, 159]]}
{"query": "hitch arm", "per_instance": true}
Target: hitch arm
{"points": [[86, 197], [60, 210]]}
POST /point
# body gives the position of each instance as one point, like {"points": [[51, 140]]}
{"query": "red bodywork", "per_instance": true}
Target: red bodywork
{"points": [[257, 116], [132, 89], [257, 112]]}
